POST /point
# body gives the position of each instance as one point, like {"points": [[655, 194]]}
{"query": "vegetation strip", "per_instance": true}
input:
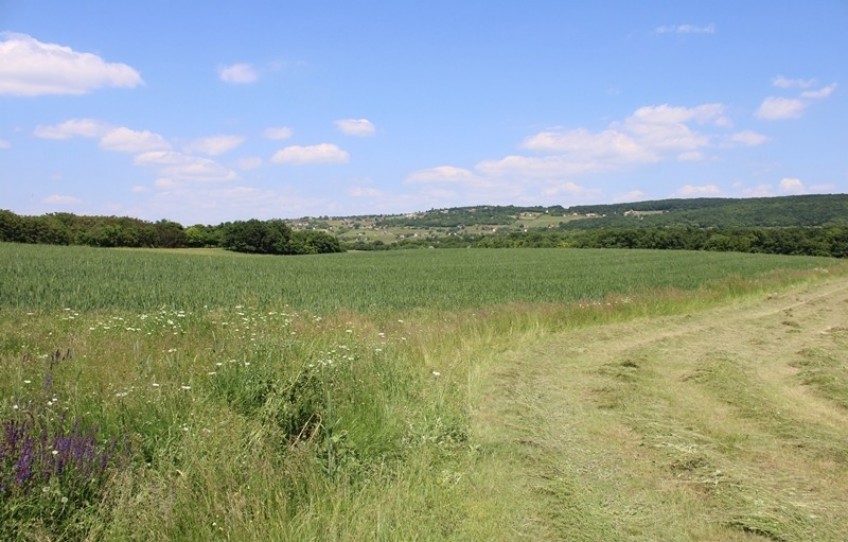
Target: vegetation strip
{"points": [[220, 396]]}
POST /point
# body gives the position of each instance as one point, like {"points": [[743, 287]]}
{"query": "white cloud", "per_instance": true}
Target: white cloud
{"points": [[71, 128], [58, 199], [365, 192], [279, 132], [651, 134], [356, 127], [819, 94], [775, 108], [29, 67], [539, 166], [748, 138], [323, 153], [567, 187], [127, 140], [215, 145], [784, 82], [138, 189], [238, 74], [183, 167], [779, 108], [686, 29], [791, 185], [249, 162], [446, 175], [698, 191], [627, 197], [5, 144]]}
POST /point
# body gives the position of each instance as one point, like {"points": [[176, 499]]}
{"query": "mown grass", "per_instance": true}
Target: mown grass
{"points": [[302, 398]]}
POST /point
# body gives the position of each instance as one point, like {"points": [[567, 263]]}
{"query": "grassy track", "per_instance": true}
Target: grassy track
{"points": [[426, 395], [725, 424]]}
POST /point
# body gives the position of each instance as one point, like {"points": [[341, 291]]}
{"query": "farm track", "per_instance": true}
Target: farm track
{"points": [[730, 423]]}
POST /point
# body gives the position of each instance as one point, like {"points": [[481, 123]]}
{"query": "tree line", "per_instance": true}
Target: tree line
{"points": [[808, 241], [252, 236]]}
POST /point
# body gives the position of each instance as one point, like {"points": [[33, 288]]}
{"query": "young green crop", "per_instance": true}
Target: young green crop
{"points": [[44, 277]]}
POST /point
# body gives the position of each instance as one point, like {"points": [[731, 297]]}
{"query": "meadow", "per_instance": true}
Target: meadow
{"points": [[202, 395]]}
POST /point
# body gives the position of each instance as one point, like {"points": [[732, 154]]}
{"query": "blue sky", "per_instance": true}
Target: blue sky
{"points": [[253, 109]]}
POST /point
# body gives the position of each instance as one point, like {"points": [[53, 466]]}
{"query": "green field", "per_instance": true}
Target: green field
{"points": [[419, 395], [45, 277]]}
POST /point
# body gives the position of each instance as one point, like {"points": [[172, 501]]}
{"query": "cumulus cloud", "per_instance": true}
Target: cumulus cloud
{"points": [[776, 108], [686, 29], [239, 74], [279, 132], [127, 140], [780, 108], [215, 145], [29, 67], [651, 134], [183, 167], [323, 153], [694, 191], [356, 127], [72, 128], [59, 199]]}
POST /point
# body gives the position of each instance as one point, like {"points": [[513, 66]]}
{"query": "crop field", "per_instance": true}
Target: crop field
{"points": [[81, 278], [436, 395]]}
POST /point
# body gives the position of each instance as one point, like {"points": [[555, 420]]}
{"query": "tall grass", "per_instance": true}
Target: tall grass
{"points": [[307, 398]]}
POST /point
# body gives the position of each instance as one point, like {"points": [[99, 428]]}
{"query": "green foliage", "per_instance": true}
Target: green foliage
{"points": [[41, 276]]}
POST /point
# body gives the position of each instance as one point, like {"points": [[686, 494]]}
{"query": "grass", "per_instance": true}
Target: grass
{"points": [[425, 395]]}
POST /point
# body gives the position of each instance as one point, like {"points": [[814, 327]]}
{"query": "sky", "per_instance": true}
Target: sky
{"points": [[217, 111]]}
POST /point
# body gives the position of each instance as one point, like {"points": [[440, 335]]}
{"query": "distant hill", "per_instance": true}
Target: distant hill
{"points": [[783, 211]]}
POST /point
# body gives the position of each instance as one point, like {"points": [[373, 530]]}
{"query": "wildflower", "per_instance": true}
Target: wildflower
{"points": [[185, 388], [437, 374]]}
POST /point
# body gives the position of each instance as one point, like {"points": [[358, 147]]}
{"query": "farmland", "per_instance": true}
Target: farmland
{"points": [[420, 395]]}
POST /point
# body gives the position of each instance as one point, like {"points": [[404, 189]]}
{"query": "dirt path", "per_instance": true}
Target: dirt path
{"points": [[726, 424]]}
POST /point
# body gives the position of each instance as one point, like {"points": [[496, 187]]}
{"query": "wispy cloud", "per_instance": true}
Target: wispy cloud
{"points": [[279, 132], [215, 145], [785, 82], [748, 138], [695, 191], [72, 128], [59, 199], [5, 144], [447, 175], [686, 29], [240, 74], [323, 153], [29, 67], [356, 127]]}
